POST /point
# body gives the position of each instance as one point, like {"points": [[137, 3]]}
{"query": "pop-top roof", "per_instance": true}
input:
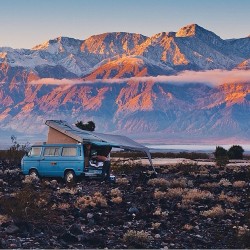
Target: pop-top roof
{"points": [[101, 139]]}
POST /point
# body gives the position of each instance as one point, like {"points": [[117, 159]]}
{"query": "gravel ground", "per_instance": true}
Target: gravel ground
{"points": [[186, 206]]}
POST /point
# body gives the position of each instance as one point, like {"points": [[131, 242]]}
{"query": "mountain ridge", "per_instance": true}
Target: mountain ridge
{"points": [[70, 79]]}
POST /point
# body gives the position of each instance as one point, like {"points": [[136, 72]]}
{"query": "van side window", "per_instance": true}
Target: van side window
{"points": [[35, 151], [51, 151], [69, 151]]}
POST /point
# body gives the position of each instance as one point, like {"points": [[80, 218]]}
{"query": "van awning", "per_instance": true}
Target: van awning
{"points": [[83, 136]]}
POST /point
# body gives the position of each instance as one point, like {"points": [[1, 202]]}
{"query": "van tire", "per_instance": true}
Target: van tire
{"points": [[69, 176], [34, 173]]}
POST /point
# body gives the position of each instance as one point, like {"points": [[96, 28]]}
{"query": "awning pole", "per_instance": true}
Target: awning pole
{"points": [[150, 160]]}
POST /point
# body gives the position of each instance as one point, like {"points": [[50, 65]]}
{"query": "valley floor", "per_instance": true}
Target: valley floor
{"points": [[186, 206]]}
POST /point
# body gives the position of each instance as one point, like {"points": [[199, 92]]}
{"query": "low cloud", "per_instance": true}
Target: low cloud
{"points": [[213, 77], [210, 77]]}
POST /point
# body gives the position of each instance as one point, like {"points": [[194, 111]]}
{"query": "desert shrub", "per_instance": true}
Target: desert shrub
{"points": [[227, 198], [126, 167], [66, 190], [136, 238], [159, 195], [230, 211], [96, 200], [116, 192], [188, 227], [210, 185], [158, 182], [156, 225], [4, 218], [122, 181], [224, 182], [63, 206], [28, 205], [239, 184], [175, 192], [242, 230], [180, 182], [116, 200], [216, 211], [159, 212], [116, 195], [195, 194], [187, 168]]}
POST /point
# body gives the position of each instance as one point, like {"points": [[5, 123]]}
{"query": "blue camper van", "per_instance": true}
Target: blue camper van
{"points": [[66, 153], [60, 160]]}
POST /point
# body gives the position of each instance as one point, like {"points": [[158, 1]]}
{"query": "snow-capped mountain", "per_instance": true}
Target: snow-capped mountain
{"points": [[112, 78], [190, 48]]}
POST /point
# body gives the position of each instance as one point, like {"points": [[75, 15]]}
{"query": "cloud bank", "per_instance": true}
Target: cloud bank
{"points": [[210, 77]]}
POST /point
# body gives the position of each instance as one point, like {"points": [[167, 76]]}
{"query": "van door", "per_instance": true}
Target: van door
{"points": [[49, 161], [72, 159]]}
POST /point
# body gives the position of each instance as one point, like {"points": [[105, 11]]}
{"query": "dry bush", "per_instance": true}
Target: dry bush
{"points": [[158, 212], [63, 206], [42, 202], [156, 225], [116, 192], [230, 211], [175, 192], [66, 190], [193, 195], [93, 201], [227, 198], [159, 194], [116, 200], [4, 218], [122, 166], [188, 227], [136, 238], [181, 182], [158, 182], [116, 195], [239, 184], [242, 230], [225, 182], [210, 185], [29, 205], [122, 181], [216, 211]]}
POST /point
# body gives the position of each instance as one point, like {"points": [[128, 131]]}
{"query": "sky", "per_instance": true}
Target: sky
{"points": [[26, 23]]}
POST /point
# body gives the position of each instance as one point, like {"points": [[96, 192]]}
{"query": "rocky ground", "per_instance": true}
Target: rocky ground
{"points": [[186, 206]]}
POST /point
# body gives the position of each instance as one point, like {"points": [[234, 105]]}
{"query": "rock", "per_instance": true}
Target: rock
{"points": [[133, 210], [157, 236], [12, 229], [89, 215], [69, 238], [76, 229]]}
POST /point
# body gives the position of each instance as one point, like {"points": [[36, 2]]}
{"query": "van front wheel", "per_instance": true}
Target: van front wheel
{"points": [[69, 176], [33, 172]]}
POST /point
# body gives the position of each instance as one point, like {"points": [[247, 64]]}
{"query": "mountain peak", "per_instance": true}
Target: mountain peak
{"points": [[189, 30]]}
